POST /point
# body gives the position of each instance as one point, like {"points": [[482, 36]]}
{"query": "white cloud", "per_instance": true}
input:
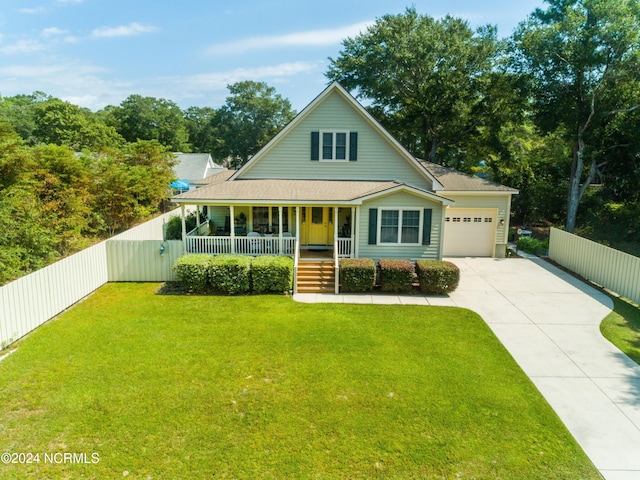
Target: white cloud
{"points": [[52, 32], [33, 11], [124, 30], [22, 47], [309, 38]]}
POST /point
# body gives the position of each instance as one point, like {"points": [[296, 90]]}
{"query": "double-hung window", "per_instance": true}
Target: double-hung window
{"points": [[400, 226], [335, 145]]}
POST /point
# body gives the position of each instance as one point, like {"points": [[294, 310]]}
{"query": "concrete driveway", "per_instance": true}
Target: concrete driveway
{"points": [[549, 322]]}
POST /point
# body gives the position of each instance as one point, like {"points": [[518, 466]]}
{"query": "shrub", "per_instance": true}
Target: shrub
{"points": [[174, 226], [533, 245], [231, 274], [437, 277], [396, 275], [357, 274], [192, 272], [272, 274]]}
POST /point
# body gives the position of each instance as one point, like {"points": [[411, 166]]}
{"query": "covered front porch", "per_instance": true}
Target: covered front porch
{"points": [[293, 230]]}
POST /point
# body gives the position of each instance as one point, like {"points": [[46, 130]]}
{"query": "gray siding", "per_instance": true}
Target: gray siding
{"points": [[417, 252], [378, 159]]}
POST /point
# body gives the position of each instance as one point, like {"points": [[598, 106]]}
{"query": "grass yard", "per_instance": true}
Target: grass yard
{"points": [[622, 327], [161, 386]]}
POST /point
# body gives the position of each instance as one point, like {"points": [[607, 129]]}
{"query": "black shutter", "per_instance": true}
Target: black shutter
{"points": [[353, 146], [426, 226], [373, 226], [315, 145]]}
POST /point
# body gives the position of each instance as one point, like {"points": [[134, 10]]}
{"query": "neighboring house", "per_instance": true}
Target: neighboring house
{"points": [[335, 183], [192, 168]]}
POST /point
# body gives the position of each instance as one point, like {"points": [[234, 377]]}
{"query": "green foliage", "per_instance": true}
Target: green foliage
{"points": [[533, 245], [580, 59], [437, 277], [357, 274], [62, 123], [193, 272], [251, 116], [148, 118], [271, 274], [231, 274], [131, 183], [431, 77], [174, 225], [396, 275]]}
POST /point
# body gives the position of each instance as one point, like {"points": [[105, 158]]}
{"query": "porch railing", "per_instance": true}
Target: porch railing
{"points": [[242, 245], [343, 246]]}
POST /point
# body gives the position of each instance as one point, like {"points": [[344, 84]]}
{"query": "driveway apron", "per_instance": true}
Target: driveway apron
{"points": [[549, 322]]}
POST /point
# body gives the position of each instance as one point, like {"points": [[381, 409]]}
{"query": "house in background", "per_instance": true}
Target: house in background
{"points": [[334, 184], [192, 168]]}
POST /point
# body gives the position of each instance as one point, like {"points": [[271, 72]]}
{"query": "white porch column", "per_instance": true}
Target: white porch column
{"points": [[335, 225], [352, 231], [280, 250], [297, 225], [184, 228], [232, 228], [356, 235]]}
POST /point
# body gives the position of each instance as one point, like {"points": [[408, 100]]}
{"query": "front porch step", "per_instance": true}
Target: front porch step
{"points": [[316, 277]]}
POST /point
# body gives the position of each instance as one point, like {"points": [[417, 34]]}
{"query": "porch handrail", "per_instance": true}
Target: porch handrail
{"points": [[296, 260], [336, 266]]}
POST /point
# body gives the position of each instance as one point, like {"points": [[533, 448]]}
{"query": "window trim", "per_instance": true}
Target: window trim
{"points": [[400, 211], [333, 158]]}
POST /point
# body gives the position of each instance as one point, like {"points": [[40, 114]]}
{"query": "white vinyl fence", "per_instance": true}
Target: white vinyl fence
{"points": [[134, 255], [28, 302], [613, 269], [142, 260]]}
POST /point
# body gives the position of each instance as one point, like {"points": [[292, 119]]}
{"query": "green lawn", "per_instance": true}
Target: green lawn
{"points": [[162, 386], [622, 327]]}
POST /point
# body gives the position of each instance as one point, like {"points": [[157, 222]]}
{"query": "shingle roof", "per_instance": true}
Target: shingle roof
{"points": [[285, 190], [455, 181], [193, 166]]}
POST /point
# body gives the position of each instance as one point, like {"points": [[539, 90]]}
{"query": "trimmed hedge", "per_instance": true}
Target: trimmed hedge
{"points": [[357, 274], [396, 275], [437, 277], [272, 274], [231, 274], [192, 271], [234, 274]]}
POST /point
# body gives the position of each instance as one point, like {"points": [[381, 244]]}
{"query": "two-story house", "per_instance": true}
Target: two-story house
{"points": [[334, 183]]}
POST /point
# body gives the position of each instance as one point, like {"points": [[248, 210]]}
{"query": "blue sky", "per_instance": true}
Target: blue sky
{"points": [[98, 52]]}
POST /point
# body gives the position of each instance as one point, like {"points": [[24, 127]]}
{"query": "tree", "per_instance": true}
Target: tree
{"points": [[579, 55], [200, 124], [20, 112], [430, 76], [149, 118], [251, 116], [62, 123], [131, 183]]}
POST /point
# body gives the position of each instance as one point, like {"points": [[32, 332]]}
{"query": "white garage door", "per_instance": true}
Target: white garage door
{"points": [[469, 232]]}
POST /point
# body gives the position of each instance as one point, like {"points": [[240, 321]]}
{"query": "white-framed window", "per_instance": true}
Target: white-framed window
{"points": [[334, 146], [400, 226]]}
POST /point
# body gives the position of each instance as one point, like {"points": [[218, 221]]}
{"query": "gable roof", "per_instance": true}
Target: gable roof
{"points": [[194, 166], [455, 181], [336, 87]]}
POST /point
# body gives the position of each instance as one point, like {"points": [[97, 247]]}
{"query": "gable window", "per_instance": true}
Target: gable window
{"points": [[334, 146], [400, 226]]}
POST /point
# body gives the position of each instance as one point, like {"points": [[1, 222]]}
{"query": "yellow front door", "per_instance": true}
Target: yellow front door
{"points": [[318, 221]]}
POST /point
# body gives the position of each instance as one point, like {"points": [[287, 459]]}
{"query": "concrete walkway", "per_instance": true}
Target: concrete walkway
{"points": [[549, 322]]}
